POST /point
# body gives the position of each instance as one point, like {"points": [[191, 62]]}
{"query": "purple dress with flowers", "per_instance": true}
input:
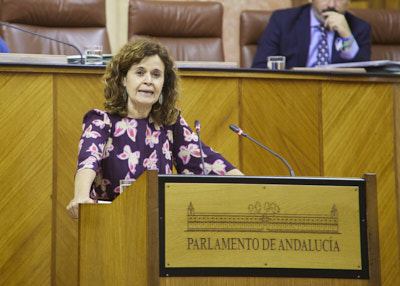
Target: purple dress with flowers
{"points": [[118, 148]]}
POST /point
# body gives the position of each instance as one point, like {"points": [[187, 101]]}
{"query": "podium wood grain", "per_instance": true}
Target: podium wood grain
{"points": [[118, 240], [119, 243]]}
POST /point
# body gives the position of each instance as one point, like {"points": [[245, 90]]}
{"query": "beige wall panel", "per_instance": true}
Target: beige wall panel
{"points": [[117, 23], [215, 103], [283, 116], [76, 95], [26, 178], [358, 136]]}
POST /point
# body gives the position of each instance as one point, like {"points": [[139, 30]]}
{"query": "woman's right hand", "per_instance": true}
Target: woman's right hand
{"points": [[83, 181], [73, 206]]}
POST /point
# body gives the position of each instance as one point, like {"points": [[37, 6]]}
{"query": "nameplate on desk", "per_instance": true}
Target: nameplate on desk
{"points": [[370, 66], [263, 230], [32, 58], [205, 64], [331, 69]]}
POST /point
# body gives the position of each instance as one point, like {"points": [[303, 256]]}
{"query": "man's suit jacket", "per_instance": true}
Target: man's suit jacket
{"points": [[288, 34]]}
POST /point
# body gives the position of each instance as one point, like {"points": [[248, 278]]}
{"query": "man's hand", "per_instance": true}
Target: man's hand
{"points": [[337, 22]]}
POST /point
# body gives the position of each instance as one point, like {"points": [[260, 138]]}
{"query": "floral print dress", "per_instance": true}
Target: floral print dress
{"points": [[118, 148]]}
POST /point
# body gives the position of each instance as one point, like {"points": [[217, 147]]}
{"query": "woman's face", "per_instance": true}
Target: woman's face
{"points": [[143, 83]]}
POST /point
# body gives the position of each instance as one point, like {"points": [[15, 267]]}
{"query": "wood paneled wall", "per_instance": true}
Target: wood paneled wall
{"points": [[322, 124]]}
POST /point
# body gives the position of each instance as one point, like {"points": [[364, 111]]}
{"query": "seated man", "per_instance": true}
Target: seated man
{"points": [[300, 34], [3, 46]]}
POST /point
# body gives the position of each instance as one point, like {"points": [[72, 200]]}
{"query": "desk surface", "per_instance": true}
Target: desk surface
{"points": [[218, 72]]}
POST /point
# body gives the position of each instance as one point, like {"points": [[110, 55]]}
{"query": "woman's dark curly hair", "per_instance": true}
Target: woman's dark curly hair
{"points": [[133, 53]]}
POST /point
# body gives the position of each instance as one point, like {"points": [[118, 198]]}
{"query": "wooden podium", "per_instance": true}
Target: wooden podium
{"points": [[222, 230]]}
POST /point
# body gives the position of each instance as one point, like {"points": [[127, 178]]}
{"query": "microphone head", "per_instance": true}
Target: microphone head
{"points": [[237, 130], [234, 128], [197, 125]]}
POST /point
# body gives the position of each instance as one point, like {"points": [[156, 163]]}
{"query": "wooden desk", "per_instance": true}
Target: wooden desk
{"points": [[337, 125]]}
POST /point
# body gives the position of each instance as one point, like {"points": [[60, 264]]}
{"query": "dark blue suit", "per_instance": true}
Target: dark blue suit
{"points": [[288, 34]]}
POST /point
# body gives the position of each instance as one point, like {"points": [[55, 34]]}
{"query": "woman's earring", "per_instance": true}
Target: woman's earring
{"points": [[160, 99], [125, 95]]}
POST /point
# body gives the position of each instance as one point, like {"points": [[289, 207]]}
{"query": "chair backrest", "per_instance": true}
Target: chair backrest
{"points": [[385, 32], [252, 25], [190, 30], [80, 23]]}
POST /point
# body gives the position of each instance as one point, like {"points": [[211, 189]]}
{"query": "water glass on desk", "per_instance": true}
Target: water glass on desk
{"points": [[276, 62], [94, 55]]}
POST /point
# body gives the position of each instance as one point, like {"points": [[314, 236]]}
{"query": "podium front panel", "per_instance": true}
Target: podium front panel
{"points": [[262, 226]]}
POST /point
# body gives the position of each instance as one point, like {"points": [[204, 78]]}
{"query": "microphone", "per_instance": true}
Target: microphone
{"points": [[45, 37], [241, 133], [197, 127]]}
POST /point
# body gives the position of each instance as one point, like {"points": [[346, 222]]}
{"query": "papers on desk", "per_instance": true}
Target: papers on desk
{"points": [[104, 202], [205, 64], [32, 58], [370, 66], [325, 69], [76, 59], [383, 66]]}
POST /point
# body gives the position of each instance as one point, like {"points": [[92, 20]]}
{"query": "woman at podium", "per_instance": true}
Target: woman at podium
{"points": [[140, 129]]}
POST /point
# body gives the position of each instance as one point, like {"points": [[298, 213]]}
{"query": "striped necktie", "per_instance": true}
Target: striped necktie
{"points": [[323, 49]]}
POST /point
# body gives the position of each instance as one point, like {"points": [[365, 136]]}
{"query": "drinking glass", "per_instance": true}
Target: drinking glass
{"points": [[276, 62], [94, 55]]}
